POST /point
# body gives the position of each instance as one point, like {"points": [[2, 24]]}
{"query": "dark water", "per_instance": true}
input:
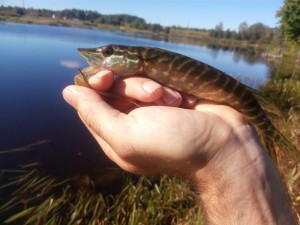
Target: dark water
{"points": [[37, 62]]}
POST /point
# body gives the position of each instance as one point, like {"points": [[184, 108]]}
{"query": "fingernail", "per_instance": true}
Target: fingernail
{"points": [[149, 87], [69, 94], [190, 100], [102, 73], [170, 97]]}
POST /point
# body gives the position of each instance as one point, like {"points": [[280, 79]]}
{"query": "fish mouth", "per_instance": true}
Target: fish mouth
{"points": [[91, 70], [81, 78], [87, 53], [83, 50], [90, 56]]}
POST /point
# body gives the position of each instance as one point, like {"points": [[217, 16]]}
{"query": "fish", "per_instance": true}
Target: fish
{"points": [[193, 77]]}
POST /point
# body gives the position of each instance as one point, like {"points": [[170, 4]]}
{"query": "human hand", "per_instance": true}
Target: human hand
{"points": [[156, 139], [211, 145]]}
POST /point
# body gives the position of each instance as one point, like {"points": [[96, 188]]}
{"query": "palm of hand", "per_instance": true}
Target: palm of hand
{"points": [[153, 138]]}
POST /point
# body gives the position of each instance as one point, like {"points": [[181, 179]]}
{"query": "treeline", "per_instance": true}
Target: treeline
{"points": [[255, 32], [86, 15]]}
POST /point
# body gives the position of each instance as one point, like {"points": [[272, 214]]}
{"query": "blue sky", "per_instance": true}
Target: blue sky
{"points": [[187, 13]]}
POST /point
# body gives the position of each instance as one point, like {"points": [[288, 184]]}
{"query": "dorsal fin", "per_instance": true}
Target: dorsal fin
{"points": [[265, 102]]}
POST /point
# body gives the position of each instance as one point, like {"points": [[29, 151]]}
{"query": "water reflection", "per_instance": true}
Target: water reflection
{"points": [[250, 59]]}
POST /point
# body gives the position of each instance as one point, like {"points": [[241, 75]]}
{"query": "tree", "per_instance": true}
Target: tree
{"points": [[259, 31], [290, 19], [219, 33], [243, 27], [92, 15], [20, 11], [227, 34]]}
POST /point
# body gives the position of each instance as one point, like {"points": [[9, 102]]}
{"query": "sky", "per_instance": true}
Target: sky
{"points": [[186, 13]]}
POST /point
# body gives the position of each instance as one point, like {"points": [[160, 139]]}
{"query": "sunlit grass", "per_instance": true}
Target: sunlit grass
{"points": [[47, 200], [284, 90]]}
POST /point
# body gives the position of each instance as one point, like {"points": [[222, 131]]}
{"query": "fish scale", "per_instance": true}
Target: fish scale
{"points": [[192, 77]]}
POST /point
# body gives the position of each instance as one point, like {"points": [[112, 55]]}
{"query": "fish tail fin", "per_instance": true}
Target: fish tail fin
{"points": [[275, 137]]}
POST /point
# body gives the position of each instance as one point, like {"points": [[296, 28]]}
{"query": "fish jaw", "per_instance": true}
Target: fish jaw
{"points": [[81, 78], [92, 56], [95, 61]]}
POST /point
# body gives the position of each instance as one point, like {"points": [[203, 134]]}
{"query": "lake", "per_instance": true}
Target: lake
{"points": [[38, 61]]}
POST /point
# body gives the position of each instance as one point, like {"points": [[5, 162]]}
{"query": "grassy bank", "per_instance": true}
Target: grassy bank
{"points": [[283, 88], [72, 23], [164, 200], [198, 37]]}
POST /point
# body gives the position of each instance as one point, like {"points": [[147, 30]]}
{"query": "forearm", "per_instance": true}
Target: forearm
{"points": [[245, 189]]}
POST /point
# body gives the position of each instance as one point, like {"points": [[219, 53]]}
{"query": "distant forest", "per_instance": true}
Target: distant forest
{"points": [[254, 32], [86, 15]]}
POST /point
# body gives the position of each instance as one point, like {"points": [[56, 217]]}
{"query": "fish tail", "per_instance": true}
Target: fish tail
{"points": [[273, 138]]}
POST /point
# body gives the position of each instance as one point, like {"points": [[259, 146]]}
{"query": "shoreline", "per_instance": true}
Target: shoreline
{"points": [[174, 35]]}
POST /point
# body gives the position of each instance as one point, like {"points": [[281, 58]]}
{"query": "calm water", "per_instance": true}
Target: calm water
{"points": [[37, 62]]}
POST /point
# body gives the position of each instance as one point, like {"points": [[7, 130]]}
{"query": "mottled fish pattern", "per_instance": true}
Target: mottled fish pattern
{"points": [[193, 77]]}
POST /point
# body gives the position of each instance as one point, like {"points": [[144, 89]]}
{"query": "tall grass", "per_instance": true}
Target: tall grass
{"points": [[283, 89], [36, 199]]}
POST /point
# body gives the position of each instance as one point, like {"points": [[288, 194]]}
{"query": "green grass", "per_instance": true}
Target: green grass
{"points": [[47, 200], [283, 89]]}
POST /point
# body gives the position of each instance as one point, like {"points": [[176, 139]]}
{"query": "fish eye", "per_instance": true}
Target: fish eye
{"points": [[108, 51]]}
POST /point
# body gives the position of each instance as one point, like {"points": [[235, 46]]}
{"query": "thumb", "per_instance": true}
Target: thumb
{"points": [[103, 119], [106, 124]]}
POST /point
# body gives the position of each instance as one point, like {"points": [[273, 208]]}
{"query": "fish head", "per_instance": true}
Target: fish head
{"points": [[121, 60]]}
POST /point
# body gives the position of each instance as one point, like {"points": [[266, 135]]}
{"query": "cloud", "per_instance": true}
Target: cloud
{"points": [[71, 64]]}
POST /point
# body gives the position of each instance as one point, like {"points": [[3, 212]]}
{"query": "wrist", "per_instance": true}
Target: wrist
{"points": [[242, 185]]}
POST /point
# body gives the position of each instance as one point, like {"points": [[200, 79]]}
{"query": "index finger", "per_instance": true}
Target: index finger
{"points": [[142, 89]]}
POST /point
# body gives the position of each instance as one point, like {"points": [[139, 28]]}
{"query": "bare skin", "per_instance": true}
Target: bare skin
{"points": [[213, 146]]}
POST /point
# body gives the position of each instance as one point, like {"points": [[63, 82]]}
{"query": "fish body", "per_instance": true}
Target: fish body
{"points": [[193, 77]]}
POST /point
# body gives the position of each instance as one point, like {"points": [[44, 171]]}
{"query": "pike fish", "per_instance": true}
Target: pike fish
{"points": [[192, 77]]}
